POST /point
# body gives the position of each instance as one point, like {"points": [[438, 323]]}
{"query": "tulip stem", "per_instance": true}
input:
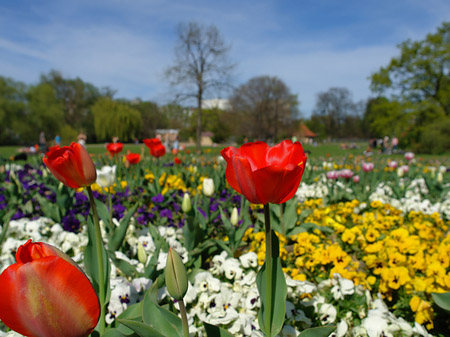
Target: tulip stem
{"points": [[268, 305], [101, 273], [184, 318]]}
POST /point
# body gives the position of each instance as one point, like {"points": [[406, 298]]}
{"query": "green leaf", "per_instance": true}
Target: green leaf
{"points": [[103, 212], [321, 331], [5, 224], [90, 262], [290, 214], [166, 321], [133, 313], [278, 293], [142, 329], [442, 300], [119, 233], [122, 265], [214, 331], [113, 333]]}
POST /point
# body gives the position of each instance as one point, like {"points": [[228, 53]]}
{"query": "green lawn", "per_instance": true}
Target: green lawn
{"points": [[320, 151]]}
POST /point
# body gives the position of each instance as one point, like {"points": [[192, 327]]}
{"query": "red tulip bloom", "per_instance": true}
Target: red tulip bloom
{"points": [[45, 294], [265, 174], [114, 148], [133, 158], [71, 165], [157, 149], [177, 160]]}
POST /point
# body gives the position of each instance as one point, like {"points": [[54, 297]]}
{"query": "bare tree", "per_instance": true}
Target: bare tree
{"points": [[201, 65], [334, 107], [265, 107]]}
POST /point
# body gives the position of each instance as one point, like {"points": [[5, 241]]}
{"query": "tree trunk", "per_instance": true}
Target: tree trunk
{"points": [[199, 121]]}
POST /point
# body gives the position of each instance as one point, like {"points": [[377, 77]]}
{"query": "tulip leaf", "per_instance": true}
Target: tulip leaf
{"points": [[278, 293], [142, 329], [103, 212], [117, 333], [91, 263], [214, 331], [166, 321], [134, 313], [442, 300], [115, 242], [5, 224], [321, 331]]}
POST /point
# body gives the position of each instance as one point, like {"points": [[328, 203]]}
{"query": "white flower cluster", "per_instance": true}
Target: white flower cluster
{"points": [[414, 195]]}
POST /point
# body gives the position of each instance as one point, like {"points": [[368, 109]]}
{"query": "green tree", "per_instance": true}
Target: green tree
{"points": [[339, 112], [77, 97], [44, 112], [264, 108], [417, 84], [12, 111], [152, 118], [421, 72], [116, 119]]}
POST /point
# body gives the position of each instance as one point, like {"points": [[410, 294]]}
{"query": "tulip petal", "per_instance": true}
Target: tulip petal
{"points": [[255, 153], [48, 297], [245, 181], [84, 163]]}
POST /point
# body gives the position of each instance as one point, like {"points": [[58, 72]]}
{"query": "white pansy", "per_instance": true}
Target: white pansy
{"points": [[249, 260], [162, 259], [147, 243], [204, 281], [342, 287], [288, 331], [327, 313], [232, 269]]}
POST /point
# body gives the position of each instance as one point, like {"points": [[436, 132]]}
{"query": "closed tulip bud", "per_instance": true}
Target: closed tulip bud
{"points": [[440, 177], [71, 165], [208, 187], [234, 219], [186, 204], [106, 176], [176, 276], [46, 294], [142, 255]]}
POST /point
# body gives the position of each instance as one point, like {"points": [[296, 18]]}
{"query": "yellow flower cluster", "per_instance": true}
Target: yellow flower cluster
{"points": [[171, 182], [380, 248]]}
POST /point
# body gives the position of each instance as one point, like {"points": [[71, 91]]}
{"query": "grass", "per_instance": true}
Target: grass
{"points": [[320, 151]]}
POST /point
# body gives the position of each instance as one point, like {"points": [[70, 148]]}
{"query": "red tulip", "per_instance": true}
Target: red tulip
{"points": [[71, 165], [157, 149], [114, 148], [45, 294], [177, 160], [265, 174], [133, 158]]}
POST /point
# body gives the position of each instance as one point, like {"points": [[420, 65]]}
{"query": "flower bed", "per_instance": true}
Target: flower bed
{"points": [[364, 256]]}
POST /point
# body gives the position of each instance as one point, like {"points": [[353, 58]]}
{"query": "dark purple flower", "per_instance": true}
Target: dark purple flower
{"points": [[202, 212], [70, 223], [166, 213], [158, 198]]}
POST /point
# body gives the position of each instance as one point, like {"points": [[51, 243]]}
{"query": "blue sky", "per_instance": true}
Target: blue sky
{"points": [[127, 45]]}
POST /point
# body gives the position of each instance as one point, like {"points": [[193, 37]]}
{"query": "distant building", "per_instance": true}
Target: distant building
{"points": [[305, 135], [216, 103]]}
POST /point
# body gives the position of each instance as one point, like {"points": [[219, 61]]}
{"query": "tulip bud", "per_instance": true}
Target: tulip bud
{"points": [[234, 216], [106, 176], [440, 177], [186, 204], [176, 276], [142, 255], [208, 187]]}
